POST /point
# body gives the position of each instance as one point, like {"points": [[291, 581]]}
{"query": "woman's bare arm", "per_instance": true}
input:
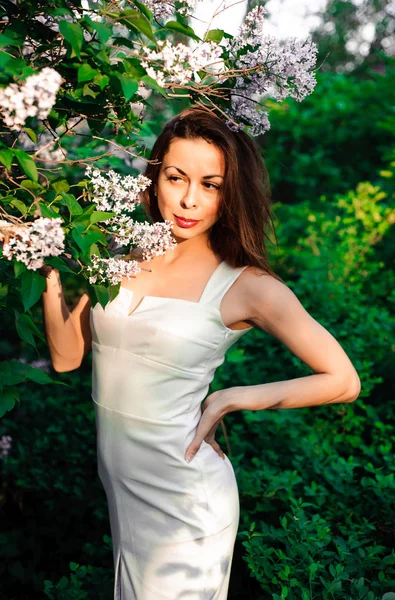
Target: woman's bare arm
{"points": [[68, 333], [274, 308]]}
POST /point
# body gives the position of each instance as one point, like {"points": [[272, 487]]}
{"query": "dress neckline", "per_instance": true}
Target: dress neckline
{"points": [[148, 297]]}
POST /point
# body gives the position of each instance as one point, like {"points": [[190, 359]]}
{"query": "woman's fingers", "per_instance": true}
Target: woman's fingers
{"points": [[216, 447]]}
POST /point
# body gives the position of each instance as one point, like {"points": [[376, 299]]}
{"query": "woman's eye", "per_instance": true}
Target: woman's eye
{"points": [[209, 186]]}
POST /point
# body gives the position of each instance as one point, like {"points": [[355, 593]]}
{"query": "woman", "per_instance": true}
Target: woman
{"points": [[172, 493]]}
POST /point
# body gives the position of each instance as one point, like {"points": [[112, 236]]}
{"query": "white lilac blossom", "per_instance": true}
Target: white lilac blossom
{"points": [[177, 64], [287, 68], [153, 240], [250, 33], [33, 242], [391, 8], [5, 445], [162, 9], [40, 363], [121, 195], [111, 269], [116, 193], [34, 98], [279, 69], [244, 107]]}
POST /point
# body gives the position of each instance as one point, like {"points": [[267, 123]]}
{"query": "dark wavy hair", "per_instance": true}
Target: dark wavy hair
{"points": [[239, 236]]}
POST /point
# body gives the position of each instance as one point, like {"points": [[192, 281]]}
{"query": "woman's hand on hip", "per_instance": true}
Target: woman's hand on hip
{"points": [[214, 408]]}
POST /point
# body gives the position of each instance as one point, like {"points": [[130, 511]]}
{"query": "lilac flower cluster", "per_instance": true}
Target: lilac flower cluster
{"points": [[34, 98], [111, 269], [152, 240], [177, 64], [116, 193], [5, 445], [33, 242], [163, 9], [280, 69], [121, 195], [39, 363]]}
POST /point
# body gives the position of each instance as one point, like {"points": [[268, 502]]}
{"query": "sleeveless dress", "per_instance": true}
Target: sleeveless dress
{"points": [[173, 524]]}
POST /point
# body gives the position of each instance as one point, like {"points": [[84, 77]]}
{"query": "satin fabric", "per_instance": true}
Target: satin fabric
{"points": [[173, 523]]}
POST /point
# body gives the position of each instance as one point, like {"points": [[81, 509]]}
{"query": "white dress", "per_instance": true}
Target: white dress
{"points": [[173, 523]]}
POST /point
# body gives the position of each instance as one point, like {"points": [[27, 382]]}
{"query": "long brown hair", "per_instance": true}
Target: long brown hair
{"points": [[239, 236]]}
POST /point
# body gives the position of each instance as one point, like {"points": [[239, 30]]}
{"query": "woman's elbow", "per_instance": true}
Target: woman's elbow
{"points": [[65, 367], [353, 388]]}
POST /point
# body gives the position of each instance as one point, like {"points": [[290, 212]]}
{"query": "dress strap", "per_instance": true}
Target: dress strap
{"points": [[220, 282]]}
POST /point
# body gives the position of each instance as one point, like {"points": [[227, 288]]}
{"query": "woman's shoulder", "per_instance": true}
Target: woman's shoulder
{"points": [[259, 285]]}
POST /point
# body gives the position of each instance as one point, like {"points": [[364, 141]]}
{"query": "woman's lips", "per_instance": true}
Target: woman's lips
{"points": [[185, 222]]}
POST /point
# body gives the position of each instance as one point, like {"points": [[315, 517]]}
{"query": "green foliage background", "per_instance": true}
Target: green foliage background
{"points": [[316, 485]]}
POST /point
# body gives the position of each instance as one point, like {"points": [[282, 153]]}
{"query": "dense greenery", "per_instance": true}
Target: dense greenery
{"points": [[316, 485]]}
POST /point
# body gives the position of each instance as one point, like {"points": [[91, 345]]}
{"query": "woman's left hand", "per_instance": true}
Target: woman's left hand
{"points": [[214, 408]]}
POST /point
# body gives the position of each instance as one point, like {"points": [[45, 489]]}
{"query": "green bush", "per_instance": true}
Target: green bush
{"points": [[317, 485], [339, 136]]}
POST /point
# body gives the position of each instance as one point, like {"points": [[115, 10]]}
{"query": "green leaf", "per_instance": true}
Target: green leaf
{"points": [[74, 35], [7, 41], [13, 372], [84, 217], [32, 134], [104, 32], [3, 291], [60, 185], [101, 294], [85, 238], [150, 82], [59, 12], [185, 29], [39, 376], [48, 211], [19, 268], [26, 163], [101, 80], [19, 205], [6, 158], [8, 398], [32, 286], [4, 59], [99, 215], [102, 56], [86, 73], [23, 327], [88, 92], [59, 264], [214, 35], [135, 20], [96, 125], [133, 67], [129, 86], [70, 201], [146, 11], [28, 184]]}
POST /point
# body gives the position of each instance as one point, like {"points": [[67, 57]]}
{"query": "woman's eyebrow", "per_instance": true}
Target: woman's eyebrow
{"points": [[185, 175]]}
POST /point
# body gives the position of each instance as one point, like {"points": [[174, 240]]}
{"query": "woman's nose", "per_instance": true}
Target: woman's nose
{"points": [[190, 197]]}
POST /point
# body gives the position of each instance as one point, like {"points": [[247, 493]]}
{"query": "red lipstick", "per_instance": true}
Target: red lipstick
{"points": [[186, 223]]}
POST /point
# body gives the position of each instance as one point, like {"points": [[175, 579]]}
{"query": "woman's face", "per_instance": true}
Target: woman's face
{"points": [[189, 185]]}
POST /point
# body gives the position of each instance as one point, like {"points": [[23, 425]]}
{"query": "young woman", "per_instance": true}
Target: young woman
{"points": [[155, 350]]}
